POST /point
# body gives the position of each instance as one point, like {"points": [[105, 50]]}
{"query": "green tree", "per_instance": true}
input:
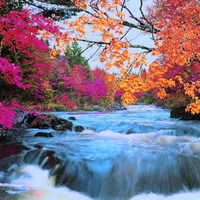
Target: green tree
{"points": [[73, 55]]}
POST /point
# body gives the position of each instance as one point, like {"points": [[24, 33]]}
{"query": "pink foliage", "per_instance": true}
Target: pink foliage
{"points": [[20, 28], [7, 116], [118, 94], [58, 71], [77, 80], [82, 86], [12, 73], [64, 101], [20, 32], [96, 90]]}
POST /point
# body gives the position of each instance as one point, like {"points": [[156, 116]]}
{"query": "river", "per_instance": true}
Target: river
{"points": [[135, 154]]}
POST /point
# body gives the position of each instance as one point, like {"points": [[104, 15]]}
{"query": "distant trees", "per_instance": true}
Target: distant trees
{"points": [[30, 78]]}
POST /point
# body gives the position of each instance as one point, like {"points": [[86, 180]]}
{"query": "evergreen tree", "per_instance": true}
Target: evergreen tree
{"points": [[73, 55]]}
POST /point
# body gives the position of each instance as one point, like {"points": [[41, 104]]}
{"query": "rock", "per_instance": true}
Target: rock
{"points": [[183, 115], [116, 107], [43, 134], [45, 158], [52, 161], [62, 127], [10, 135], [72, 118], [10, 149], [99, 108], [37, 121], [45, 121], [79, 128], [19, 118], [3, 138]]}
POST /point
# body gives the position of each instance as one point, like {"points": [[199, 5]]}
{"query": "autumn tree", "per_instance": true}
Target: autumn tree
{"points": [[21, 74], [109, 86], [77, 83], [177, 45], [171, 24]]}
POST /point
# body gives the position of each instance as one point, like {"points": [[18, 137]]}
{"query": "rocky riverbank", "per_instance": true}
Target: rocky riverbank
{"points": [[42, 121], [183, 115]]}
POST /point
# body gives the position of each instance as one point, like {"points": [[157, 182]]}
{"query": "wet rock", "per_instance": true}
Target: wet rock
{"points": [[99, 108], [45, 121], [38, 121], [183, 115], [45, 158], [19, 119], [10, 135], [79, 128], [62, 127], [10, 149], [43, 134], [72, 118], [3, 138], [116, 107], [51, 162]]}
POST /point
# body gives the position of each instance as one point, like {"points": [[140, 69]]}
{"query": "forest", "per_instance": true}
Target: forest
{"points": [[34, 76]]}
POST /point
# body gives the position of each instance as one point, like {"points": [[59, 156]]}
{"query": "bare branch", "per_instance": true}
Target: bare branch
{"points": [[132, 16], [108, 43], [145, 28], [154, 30], [125, 33], [94, 42], [142, 47], [94, 53]]}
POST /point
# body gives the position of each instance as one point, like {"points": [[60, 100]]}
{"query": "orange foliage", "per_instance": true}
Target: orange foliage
{"points": [[176, 41]]}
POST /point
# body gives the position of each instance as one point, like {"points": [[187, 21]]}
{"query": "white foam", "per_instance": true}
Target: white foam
{"points": [[180, 196], [52, 193], [142, 107], [39, 186]]}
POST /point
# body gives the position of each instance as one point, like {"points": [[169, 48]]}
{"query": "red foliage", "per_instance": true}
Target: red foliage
{"points": [[65, 101], [77, 80], [19, 39]]}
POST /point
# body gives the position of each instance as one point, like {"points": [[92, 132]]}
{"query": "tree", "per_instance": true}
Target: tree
{"points": [[171, 24], [109, 87], [21, 74], [77, 83], [73, 55]]}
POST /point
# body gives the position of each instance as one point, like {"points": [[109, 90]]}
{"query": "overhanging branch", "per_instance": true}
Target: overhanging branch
{"points": [[141, 27], [108, 43]]}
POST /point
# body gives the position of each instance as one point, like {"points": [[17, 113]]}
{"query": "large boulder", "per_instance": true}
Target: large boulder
{"points": [[183, 115], [45, 121], [63, 126]]}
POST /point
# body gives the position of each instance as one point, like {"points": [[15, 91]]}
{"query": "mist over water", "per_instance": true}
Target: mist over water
{"points": [[135, 154]]}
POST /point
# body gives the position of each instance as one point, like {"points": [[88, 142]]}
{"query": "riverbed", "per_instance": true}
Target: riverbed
{"points": [[138, 153]]}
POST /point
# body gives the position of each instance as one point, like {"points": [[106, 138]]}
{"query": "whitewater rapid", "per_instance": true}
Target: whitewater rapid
{"points": [[136, 154]]}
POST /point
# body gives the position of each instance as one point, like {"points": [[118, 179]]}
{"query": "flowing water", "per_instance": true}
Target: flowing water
{"points": [[136, 154]]}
